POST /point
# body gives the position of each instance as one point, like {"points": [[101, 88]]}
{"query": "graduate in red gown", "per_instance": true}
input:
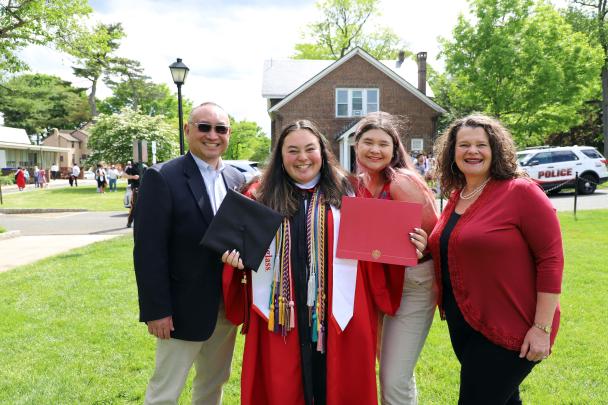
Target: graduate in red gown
{"points": [[310, 318], [20, 179]]}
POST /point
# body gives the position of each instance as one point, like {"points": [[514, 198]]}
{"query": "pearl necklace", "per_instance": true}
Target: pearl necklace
{"points": [[474, 192]]}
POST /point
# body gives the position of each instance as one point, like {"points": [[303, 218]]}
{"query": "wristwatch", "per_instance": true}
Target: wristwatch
{"points": [[544, 328]]}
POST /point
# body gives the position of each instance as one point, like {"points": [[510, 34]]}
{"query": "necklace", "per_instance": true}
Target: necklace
{"points": [[474, 192]]}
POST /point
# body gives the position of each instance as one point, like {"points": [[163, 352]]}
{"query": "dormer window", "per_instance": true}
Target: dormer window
{"points": [[356, 102]]}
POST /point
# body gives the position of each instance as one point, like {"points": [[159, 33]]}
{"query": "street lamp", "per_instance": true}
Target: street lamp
{"points": [[179, 71]]}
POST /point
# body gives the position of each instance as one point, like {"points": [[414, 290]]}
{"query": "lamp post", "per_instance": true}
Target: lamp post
{"points": [[179, 71]]}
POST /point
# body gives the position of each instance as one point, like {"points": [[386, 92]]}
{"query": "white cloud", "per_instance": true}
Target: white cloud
{"points": [[224, 43]]}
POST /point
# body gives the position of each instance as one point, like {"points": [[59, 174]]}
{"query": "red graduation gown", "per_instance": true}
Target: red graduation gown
{"points": [[272, 373]]}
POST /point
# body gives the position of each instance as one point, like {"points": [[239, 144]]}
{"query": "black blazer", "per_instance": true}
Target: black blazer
{"points": [[175, 275]]}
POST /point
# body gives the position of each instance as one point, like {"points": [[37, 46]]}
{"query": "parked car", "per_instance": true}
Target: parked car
{"points": [[247, 167], [89, 175], [555, 168]]}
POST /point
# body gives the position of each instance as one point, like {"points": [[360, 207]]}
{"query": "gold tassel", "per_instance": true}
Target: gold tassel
{"points": [[271, 318]]}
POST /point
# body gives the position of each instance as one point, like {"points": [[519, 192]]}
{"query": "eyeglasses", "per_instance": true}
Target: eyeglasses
{"points": [[205, 127]]}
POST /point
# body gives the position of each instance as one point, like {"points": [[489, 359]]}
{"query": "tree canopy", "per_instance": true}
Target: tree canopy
{"points": [[345, 25], [150, 98], [112, 136], [38, 102], [94, 52], [520, 61], [247, 142], [25, 22], [591, 18]]}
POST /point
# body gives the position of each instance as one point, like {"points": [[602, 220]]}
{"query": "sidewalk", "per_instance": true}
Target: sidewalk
{"points": [[51, 184], [24, 250]]}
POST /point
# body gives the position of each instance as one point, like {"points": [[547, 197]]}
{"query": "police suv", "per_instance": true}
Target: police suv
{"points": [[555, 168]]}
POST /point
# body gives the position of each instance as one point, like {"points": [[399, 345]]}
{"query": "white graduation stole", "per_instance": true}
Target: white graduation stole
{"points": [[344, 281]]}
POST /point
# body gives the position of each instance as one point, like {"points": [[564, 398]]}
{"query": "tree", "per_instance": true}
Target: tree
{"points": [[94, 52], [596, 24], [112, 136], [150, 98], [38, 102], [25, 22], [521, 62], [342, 29], [247, 142]]}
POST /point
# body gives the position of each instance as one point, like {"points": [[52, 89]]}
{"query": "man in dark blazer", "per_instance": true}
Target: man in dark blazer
{"points": [[178, 280]]}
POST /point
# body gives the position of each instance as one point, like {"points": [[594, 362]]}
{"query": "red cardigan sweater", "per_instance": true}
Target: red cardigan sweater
{"points": [[505, 248]]}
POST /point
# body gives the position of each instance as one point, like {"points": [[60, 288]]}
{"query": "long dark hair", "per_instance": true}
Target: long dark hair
{"points": [[277, 190], [391, 125], [504, 158]]}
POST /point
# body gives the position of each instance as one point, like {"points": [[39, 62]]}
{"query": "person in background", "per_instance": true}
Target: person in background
{"points": [[112, 177], [101, 177], [498, 260], [74, 175], [178, 280], [307, 342], [54, 171], [42, 178], [132, 174], [20, 179], [36, 183], [385, 171], [421, 165], [26, 174]]}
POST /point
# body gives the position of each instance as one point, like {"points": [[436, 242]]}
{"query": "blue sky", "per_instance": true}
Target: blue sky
{"points": [[225, 43]]}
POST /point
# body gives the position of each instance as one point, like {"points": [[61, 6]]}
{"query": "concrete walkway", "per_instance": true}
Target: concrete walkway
{"points": [[28, 249], [42, 235]]}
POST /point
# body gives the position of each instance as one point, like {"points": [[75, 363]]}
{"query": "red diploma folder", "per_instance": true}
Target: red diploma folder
{"points": [[377, 230]]}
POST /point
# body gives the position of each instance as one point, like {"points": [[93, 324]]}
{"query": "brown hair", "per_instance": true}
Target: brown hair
{"points": [[277, 190], [391, 125], [504, 159]]}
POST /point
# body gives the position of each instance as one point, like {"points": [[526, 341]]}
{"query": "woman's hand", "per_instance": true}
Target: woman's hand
{"points": [[233, 258], [419, 239], [536, 346]]}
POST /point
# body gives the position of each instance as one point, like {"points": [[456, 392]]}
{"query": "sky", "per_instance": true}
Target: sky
{"points": [[225, 43]]}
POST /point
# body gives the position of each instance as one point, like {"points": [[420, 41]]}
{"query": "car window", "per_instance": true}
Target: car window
{"points": [[592, 153], [522, 157], [563, 156], [542, 158]]}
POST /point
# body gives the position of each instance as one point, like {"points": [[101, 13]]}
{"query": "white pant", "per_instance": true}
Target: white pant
{"points": [[403, 336], [211, 358]]}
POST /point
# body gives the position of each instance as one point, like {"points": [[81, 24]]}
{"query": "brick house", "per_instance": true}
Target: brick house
{"points": [[76, 144], [336, 94]]}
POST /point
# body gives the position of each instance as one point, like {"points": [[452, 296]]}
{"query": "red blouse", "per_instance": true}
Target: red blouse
{"points": [[504, 249]]}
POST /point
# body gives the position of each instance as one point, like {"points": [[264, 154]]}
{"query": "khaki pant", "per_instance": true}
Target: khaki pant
{"points": [[403, 336], [211, 358]]}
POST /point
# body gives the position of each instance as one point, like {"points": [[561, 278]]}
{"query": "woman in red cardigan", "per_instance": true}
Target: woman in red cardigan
{"points": [[498, 261]]}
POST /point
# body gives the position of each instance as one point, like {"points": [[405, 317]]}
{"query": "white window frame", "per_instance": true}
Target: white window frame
{"points": [[417, 144], [350, 113]]}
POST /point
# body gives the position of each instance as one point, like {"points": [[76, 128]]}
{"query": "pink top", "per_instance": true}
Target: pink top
{"points": [[504, 249]]}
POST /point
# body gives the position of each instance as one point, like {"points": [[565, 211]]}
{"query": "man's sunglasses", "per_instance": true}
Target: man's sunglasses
{"points": [[204, 127]]}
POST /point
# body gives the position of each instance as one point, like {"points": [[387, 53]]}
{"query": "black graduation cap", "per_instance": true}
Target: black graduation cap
{"points": [[245, 225]]}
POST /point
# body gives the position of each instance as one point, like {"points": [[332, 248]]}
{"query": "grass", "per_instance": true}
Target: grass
{"points": [[69, 197], [70, 334]]}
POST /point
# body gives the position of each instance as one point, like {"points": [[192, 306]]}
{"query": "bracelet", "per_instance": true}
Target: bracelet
{"points": [[544, 328]]}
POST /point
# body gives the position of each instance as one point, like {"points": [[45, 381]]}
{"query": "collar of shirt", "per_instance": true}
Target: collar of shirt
{"points": [[205, 167], [216, 190], [310, 184]]}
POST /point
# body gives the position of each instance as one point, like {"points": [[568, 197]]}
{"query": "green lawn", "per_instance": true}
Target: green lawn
{"points": [[70, 197], [69, 332]]}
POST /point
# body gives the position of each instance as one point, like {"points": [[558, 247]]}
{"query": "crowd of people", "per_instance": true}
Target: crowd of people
{"points": [[315, 324]]}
